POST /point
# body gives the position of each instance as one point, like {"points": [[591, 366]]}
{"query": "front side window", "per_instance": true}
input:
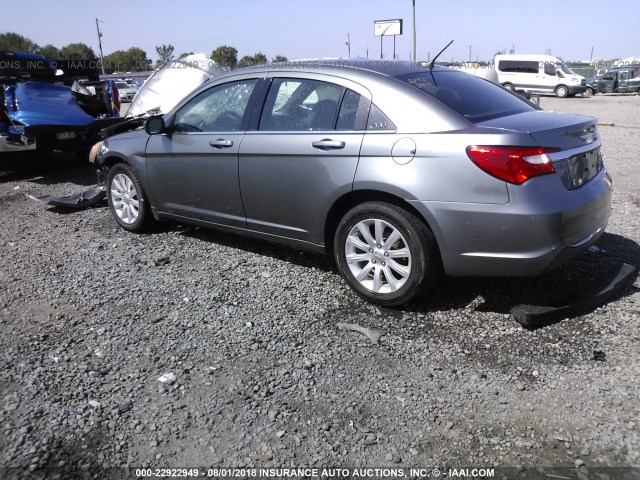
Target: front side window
{"points": [[549, 68], [301, 105], [221, 108]]}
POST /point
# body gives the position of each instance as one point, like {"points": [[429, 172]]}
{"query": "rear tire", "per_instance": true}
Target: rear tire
{"points": [[386, 254], [127, 200], [509, 86]]}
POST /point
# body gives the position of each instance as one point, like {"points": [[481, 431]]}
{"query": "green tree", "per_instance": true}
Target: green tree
{"points": [[246, 61], [280, 58], [115, 61], [185, 54], [250, 60], [132, 60], [139, 60], [165, 52], [77, 51], [259, 58], [17, 43], [50, 51], [225, 56]]}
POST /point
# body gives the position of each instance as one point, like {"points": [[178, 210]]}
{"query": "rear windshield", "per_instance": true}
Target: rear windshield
{"points": [[474, 98]]}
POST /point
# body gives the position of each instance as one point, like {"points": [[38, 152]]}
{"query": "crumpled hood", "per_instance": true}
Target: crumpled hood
{"points": [[171, 83], [38, 103]]}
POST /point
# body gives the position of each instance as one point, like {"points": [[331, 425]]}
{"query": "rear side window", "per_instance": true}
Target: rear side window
{"points": [[518, 66], [474, 98], [353, 112], [294, 104], [300, 105]]}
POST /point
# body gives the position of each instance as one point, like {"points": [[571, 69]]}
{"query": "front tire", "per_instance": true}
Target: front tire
{"points": [[509, 86], [127, 200], [562, 91], [385, 253]]}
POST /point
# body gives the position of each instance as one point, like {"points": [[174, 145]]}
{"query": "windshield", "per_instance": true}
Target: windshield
{"points": [[474, 98], [565, 69], [122, 85]]}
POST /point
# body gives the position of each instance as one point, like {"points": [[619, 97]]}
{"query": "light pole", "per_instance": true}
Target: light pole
{"points": [[414, 31], [100, 44]]}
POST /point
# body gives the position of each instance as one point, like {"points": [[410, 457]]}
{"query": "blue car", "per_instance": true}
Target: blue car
{"points": [[48, 105]]}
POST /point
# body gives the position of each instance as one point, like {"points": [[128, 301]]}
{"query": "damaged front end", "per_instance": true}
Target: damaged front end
{"points": [[160, 93], [43, 108]]}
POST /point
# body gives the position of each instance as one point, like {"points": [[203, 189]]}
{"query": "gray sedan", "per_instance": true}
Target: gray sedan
{"points": [[401, 172]]}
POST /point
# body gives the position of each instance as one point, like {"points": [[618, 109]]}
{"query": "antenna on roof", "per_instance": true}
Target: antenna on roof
{"points": [[433, 62]]}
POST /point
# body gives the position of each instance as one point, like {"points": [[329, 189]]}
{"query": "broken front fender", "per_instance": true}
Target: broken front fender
{"points": [[80, 200]]}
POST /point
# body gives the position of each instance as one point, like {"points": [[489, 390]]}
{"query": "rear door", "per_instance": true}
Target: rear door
{"points": [[303, 155], [623, 81], [193, 169]]}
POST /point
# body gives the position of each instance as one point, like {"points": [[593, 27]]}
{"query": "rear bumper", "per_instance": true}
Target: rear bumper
{"points": [[533, 233]]}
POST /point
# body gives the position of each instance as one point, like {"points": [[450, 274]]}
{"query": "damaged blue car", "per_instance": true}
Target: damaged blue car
{"points": [[53, 105]]}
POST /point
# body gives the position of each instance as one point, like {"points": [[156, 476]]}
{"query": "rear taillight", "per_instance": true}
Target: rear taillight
{"points": [[512, 164], [116, 98]]}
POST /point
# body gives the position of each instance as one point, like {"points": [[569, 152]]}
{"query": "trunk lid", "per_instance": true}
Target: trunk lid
{"points": [[578, 158]]}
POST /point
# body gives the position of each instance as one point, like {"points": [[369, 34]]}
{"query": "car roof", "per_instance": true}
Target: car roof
{"points": [[629, 67], [391, 68]]}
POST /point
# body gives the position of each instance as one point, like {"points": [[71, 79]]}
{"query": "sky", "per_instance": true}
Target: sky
{"points": [[315, 29]]}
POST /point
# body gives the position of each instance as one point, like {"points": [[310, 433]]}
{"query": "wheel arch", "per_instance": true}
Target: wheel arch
{"points": [[112, 159], [349, 200]]}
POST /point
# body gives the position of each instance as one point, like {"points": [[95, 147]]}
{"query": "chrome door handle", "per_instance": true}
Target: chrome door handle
{"points": [[221, 143], [328, 144]]}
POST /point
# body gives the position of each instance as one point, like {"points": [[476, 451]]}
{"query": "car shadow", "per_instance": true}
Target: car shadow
{"points": [[559, 287], [258, 246], [49, 169], [490, 294]]}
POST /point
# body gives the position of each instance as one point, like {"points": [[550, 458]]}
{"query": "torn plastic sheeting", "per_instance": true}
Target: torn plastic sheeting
{"points": [[372, 335], [84, 199], [582, 299]]}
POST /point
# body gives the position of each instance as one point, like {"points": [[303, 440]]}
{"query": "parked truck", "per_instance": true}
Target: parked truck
{"points": [[620, 80]]}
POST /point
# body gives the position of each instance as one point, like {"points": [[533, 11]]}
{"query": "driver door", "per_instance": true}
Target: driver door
{"points": [[193, 169]]}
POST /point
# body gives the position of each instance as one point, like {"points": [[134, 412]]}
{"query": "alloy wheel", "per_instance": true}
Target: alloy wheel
{"points": [[125, 199], [378, 256]]}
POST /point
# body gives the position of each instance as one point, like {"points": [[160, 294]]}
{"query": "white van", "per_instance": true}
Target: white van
{"points": [[538, 74]]}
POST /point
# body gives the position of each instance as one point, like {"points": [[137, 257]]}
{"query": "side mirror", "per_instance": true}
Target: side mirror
{"points": [[154, 125]]}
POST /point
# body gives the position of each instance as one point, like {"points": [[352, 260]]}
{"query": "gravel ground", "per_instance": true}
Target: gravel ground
{"points": [[260, 376]]}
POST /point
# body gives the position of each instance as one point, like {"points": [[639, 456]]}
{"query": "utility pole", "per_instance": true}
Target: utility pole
{"points": [[414, 31], [100, 44], [348, 46]]}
